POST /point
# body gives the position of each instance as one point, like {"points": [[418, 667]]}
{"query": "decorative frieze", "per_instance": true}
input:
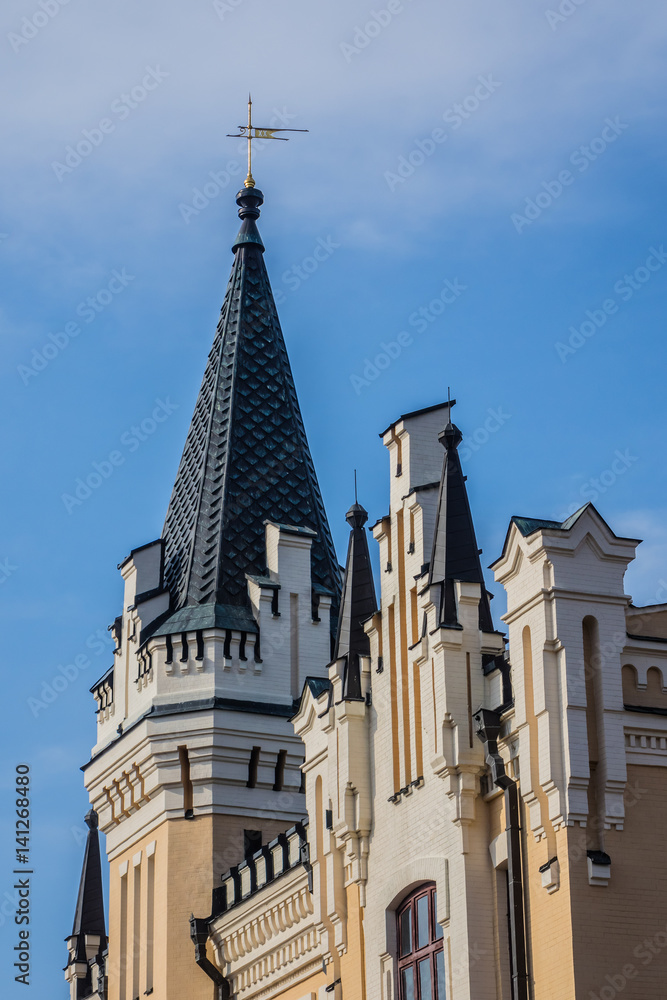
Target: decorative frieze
{"points": [[646, 747], [272, 939]]}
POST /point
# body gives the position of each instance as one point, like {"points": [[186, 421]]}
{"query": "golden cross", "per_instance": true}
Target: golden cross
{"points": [[251, 132]]}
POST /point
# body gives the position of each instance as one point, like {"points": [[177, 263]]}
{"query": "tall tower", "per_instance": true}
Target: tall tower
{"points": [[196, 763]]}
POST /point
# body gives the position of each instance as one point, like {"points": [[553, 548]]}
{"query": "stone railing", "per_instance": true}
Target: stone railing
{"points": [[268, 940], [287, 851]]}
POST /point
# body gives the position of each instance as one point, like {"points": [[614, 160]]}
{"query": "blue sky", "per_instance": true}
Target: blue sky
{"points": [[514, 149]]}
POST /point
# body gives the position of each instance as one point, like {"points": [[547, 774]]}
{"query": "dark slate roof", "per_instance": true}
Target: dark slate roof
{"points": [[246, 458], [455, 555], [358, 602], [529, 525], [317, 685], [235, 617], [89, 914]]}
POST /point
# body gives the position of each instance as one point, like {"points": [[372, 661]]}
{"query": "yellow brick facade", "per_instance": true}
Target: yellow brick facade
{"points": [[401, 794]]}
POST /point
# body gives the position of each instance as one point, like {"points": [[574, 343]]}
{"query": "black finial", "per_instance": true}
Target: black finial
{"points": [[91, 820], [249, 200], [356, 516], [358, 603], [451, 437], [455, 554]]}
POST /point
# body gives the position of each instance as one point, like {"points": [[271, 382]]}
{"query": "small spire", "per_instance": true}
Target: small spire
{"points": [[455, 555], [358, 602], [89, 917]]}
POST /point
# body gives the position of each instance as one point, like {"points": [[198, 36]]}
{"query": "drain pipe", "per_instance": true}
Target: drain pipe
{"points": [[199, 936], [488, 730]]}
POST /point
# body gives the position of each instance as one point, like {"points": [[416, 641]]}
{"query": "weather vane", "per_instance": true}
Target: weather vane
{"points": [[251, 132]]}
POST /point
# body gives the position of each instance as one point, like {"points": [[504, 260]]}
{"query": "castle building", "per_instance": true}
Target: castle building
{"points": [[307, 792]]}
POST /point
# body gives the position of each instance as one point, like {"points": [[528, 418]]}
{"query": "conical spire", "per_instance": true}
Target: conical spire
{"points": [[357, 604], [89, 915], [246, 458], [455, 555]]}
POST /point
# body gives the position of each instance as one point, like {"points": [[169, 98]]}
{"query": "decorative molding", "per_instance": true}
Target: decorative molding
{"points": [[126, 794], [646, 747], [271, 940]]}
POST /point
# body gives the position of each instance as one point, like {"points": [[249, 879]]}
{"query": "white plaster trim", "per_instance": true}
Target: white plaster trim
{"points": [[598, 874], [648, 748], [498, 850], [402, 880]]}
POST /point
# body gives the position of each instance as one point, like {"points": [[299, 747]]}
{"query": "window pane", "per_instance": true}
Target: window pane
{"points": [[406, 932], [423, 936], [408, 978], [425, 979], [440, 976], [436, 925]]}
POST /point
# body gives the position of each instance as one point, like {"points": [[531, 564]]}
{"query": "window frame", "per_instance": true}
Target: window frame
{"points": [[428, 951]]}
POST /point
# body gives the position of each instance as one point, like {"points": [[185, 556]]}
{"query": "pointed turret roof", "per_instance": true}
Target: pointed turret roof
{"points": [[89, 915], [455, 555], [358, 602], [246, 458]]}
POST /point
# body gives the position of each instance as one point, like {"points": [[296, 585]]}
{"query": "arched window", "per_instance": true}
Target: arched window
{"points": [[421, 959]]}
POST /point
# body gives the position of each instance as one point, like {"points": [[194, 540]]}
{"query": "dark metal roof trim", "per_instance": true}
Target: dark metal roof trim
{"points": [[421, 489], [418, 413], [103, 678], [200, 616], [139, 548], [645, 710], [646, 638], [292, 529]]}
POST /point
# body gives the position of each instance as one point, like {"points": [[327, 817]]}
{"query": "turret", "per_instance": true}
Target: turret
{"points": [[87, 944], [223, 619]]}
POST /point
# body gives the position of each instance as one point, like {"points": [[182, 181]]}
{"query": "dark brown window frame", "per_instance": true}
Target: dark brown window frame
{"points": [[416, 955]]}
